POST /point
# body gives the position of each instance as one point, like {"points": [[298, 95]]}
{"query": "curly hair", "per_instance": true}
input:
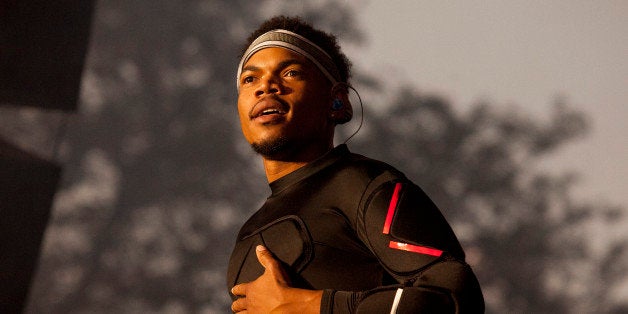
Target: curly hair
{"points": [[324, 40]]}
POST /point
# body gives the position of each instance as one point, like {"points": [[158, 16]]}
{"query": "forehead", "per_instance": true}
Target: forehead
{"points": [[274, 56]]}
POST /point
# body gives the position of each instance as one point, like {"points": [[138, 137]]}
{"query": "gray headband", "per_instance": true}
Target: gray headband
{"points": [[297, 43]]}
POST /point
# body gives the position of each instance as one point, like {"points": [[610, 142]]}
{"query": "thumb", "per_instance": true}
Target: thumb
{"points": [[265, 257], [270, 263]]}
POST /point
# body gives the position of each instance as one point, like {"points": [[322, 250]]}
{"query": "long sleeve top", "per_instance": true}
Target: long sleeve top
{"points": [[361, 231]]}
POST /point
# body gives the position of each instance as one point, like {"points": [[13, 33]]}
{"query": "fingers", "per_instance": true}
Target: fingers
{"points": [[239, 305], [239, 290]]}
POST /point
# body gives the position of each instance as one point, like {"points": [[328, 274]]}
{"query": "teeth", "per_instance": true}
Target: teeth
{"points": [[270, 111]]}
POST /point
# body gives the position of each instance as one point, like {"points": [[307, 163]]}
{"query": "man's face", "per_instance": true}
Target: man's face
{"points": [[284, 101]]}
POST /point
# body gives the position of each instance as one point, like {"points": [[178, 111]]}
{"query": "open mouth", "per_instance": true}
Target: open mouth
{"points": [[269, 108], [270, 111]]}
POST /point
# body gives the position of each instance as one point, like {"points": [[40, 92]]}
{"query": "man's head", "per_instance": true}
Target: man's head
{"points": [[327, 42], [292, 88]]}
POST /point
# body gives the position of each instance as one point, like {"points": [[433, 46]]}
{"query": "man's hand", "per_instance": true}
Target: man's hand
{"points": [[271, 292]]}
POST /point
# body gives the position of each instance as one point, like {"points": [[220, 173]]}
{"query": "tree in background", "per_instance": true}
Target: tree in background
{"points": [[158, 180], [522, 229]]}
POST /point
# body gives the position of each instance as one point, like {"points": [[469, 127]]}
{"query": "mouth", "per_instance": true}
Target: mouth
{"points": [[268, 109]]}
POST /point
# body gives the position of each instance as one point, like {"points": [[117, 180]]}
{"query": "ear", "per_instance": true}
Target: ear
{"points": [[341, 110]]}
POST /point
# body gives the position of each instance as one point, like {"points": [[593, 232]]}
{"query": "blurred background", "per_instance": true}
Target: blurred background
{"points": [[510, 116]]}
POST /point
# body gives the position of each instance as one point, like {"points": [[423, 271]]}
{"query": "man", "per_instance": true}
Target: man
{"points": [[340, 233]]}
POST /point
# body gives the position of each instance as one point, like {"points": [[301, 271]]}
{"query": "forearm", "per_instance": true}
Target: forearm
{"points": [[446, 287]]}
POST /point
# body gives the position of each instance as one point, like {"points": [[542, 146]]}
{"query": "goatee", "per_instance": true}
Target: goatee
{"points": [[271, 149]]}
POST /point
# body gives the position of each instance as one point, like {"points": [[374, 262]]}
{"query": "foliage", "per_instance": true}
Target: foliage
{"points": [[158, 180], [516, 223]]}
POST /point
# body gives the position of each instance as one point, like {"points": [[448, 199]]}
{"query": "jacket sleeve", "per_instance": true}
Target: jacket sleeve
{"points": [[419, 251]]}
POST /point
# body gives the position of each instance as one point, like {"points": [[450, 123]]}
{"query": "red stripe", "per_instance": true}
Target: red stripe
{"points": [[391, 208], [415, 248]]}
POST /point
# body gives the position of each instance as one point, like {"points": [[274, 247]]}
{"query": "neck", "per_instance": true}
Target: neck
{"points": [[276, 169]]}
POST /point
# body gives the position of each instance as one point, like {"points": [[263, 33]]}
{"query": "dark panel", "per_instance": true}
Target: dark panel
{"points": [[42, 50], [27, 188]]}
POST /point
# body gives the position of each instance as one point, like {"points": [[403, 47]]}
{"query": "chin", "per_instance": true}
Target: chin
{"points": [[275, 148]]}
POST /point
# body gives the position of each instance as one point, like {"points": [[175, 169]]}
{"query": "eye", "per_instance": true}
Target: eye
{"points": [[248, 79], [292, 73]]}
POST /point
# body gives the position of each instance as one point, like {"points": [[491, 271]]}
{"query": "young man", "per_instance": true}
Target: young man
{"points": [[340, 233]]}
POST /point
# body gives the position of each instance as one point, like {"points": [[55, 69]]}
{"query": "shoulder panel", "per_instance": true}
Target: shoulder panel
{"points": [[405, 229]]}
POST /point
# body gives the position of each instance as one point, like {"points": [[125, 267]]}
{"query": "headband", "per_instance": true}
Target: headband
{"points": [[297, 43]]}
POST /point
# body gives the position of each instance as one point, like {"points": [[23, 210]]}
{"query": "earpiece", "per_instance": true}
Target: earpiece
{"points": [[337, 104], [341, 111]]}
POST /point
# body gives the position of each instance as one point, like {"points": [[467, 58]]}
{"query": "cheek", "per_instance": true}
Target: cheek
{"points": [[317, 109], [243, 109], [243, 116]]}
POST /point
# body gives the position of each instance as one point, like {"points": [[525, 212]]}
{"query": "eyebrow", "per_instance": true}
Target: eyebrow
{"points": [[250, 68], [281, 65], [289, 62]]}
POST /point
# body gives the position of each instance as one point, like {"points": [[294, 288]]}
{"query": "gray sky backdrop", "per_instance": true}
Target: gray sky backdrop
{"points": [[521, 54]]}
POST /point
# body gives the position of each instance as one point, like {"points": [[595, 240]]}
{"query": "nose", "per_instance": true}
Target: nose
{"points": [[268, 85]]}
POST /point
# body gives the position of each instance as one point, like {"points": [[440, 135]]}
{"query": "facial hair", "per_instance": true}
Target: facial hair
{"points": [[273, 148]]}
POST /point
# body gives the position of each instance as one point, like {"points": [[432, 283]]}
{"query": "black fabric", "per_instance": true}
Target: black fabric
{"points": [[325, 223], [437, 233]]}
